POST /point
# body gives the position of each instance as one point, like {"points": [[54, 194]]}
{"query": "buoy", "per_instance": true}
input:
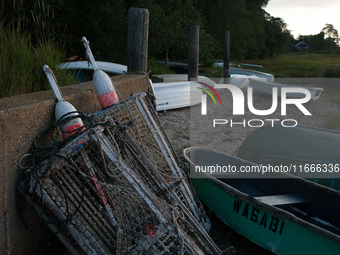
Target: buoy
{"points": [[70, 127], [107, 95], [62, 107]]}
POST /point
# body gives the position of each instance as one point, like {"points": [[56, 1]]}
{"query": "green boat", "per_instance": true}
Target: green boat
{"points": [[300, 148], [286, 215]]}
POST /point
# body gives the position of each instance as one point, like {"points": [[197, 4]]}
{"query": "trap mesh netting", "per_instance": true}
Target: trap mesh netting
{"points": [[116, 189], [147, 140]]}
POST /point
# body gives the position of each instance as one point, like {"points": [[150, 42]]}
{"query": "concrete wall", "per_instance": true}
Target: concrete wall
{"points": [[22, 119]]}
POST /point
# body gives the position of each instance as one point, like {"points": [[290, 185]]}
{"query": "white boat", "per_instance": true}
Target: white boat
{"points": [[108, 67], [184, 77], [266, 88], [269, 77], [241, 80], [238, 80], [175, 95], [220, 63], [173, 63]]}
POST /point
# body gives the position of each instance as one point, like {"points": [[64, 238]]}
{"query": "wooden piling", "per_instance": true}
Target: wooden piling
{"points": [[226, 58], [193, 53], [137, 48]]}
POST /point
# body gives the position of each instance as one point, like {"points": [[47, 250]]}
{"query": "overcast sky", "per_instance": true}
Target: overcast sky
{"points": [[306, 16]]}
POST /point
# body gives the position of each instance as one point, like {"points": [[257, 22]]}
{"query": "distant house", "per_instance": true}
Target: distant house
{"points": [[302, 46], [299, 46]]}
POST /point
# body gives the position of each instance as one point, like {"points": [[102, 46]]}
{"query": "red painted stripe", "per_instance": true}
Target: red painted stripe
{"points": [[71, 129], [213, 90], [108, 99]]}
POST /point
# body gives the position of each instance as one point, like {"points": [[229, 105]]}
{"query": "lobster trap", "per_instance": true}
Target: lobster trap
{"points": [[149, 152], [96, 204]]}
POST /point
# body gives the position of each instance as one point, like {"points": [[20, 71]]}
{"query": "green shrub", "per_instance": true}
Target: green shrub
{"points": [[21, 62], [332, 71]]}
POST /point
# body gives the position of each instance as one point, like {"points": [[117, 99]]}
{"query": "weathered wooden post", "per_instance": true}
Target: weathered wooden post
{"points": [[137, 48], [226, 58], [193, 53]]}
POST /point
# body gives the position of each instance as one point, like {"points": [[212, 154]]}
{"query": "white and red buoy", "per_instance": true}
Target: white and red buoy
{"points": [[107, 95], [70, 127], [62, 107]]}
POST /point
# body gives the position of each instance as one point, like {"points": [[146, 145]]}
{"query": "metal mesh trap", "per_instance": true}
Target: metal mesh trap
{"points": [[148, 151], [96, 204]]}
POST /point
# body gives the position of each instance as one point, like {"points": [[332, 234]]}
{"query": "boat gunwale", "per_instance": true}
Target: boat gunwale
{"points": [[253, 201]]}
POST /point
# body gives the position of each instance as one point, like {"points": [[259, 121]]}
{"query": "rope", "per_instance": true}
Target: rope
{"points": [[41, 166]]}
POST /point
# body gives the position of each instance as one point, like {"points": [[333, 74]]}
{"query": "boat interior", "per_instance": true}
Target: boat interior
{"points": [[305, 199]]}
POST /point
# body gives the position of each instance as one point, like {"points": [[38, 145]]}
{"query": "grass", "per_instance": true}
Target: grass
{"points": [[301, 65], [292, 65], [21, 63], [155, 68]]}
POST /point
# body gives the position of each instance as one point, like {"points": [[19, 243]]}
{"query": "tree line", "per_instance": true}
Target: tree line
{"points": [[254, 33], [327, 41]]}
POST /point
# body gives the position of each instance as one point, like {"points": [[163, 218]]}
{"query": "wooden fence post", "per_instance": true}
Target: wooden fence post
{"points": [[137, 48], [193, 53], [226, 58]]}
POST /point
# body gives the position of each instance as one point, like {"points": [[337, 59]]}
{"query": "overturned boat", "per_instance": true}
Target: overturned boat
{"points": [[175, 95], [266, 89]]}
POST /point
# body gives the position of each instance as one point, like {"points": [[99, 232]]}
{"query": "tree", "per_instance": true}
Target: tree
{"points": [[278, 37], [331, 32], [319, 43]]}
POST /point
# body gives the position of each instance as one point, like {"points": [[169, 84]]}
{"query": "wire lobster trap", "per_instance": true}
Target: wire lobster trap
{"points": [[148, 150], [95, 203]]}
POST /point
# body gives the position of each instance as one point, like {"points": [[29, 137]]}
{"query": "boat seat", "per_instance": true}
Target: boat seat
{"points": [[245, 188], [286, 199]]}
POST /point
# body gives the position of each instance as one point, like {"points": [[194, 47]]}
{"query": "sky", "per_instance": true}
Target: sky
{"points": [[305, 17]]}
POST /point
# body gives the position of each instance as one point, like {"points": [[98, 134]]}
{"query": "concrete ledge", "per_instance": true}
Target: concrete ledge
{"points": [[22, 119]]}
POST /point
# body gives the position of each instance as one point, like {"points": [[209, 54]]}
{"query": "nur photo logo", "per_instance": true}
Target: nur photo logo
{"points": [[239, 98], [204, 97]]}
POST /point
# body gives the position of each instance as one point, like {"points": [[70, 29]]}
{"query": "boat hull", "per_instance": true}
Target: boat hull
{"points": [[238, 80], [108, 67], [273, 227], [266, 89], [252, 220], [176, 95]]}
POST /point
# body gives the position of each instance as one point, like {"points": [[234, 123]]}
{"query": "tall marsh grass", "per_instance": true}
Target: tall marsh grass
{"points": [[301, 65], [21, 62]]}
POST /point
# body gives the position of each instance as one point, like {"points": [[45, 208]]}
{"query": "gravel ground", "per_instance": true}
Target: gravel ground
{"points": [[186, 127]]}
